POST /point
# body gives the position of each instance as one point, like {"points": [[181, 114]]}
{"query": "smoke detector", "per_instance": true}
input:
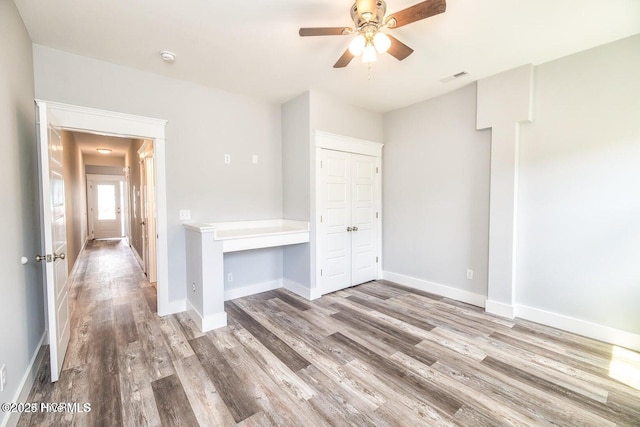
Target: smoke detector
{"points": [[168, 56]]}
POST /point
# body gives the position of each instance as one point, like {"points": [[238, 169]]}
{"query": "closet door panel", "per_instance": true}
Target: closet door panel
{"points": [[335, 187], [363, 210]]}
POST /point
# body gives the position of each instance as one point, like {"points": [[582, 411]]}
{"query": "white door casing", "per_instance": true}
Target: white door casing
{"points": [[54, 239], [348, 240], [104, 122]]}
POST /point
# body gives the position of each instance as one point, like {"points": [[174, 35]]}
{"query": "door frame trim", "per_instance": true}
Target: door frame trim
{"points": [[330, 141], [85, 119]]}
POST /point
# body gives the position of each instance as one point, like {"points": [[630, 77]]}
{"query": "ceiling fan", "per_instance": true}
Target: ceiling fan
{"points": [[369, 19]]}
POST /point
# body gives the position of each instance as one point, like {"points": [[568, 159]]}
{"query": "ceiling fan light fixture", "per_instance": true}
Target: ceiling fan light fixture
{"points": [[356, 47], [369, 54], [382, 42]]}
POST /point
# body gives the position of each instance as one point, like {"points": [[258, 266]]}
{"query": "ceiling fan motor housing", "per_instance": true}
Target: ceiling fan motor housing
{"points": [[361, 16]]}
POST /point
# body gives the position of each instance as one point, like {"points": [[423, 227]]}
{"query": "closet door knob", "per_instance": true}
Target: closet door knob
{"points": [[349, 229], [355, 228]]}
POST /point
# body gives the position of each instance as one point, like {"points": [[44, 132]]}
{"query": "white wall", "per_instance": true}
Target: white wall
{"points": [[204, 125], [578, 250], [436, 193], [21, 291], [330, 114]]}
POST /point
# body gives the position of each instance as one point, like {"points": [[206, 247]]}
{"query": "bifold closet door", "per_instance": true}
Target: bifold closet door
{"points": [[349, 233]]}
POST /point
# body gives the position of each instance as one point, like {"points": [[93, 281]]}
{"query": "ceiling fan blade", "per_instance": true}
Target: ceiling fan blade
{"points": [[324, 31], [417, 12], [398, 49], [344, 59]]}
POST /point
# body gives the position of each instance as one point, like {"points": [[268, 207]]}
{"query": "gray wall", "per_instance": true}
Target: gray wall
{"points": [[21, 301], [578, 250], [436, 192], [75, 199], [578, 210], [204, 125]]}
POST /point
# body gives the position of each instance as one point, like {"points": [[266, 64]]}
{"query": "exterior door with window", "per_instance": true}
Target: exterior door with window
{"points": [[106, 209]]}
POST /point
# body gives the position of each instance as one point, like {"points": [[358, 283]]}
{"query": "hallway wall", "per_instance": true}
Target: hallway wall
{"points": [[75, 197]]}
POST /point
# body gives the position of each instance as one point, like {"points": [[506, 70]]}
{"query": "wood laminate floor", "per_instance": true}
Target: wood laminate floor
{"points": [[377, 354]]}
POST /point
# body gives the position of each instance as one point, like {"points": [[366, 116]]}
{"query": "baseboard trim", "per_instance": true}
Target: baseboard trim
{"points": [[500, 309], [254, 288], [436, 288], [581, 327], [10, 419], [209, 322], [301, 290]]}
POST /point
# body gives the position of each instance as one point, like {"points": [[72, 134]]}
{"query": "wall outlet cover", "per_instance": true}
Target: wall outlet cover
{"points": [[470, 274], [185, 215]]}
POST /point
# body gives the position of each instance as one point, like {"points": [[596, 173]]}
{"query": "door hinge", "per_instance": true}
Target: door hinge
{"points": [[320, 218], [320, 272], [376, 259], [320, 164], [376, 215], [376, 169]]}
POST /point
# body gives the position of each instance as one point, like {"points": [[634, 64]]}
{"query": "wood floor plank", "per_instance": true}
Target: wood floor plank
{"points": [[138, 402], [278, 347], [443, 400], [207, 404], [173, 406], [226, 381]]}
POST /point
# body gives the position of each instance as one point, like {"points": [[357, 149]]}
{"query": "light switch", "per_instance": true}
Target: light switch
{"points": [[254, 159]]}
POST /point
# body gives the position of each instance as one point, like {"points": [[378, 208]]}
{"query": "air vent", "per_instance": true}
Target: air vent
{"points": [[454, 77]]}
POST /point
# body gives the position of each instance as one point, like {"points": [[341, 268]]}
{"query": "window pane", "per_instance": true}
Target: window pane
{"points": [[106, 202]]}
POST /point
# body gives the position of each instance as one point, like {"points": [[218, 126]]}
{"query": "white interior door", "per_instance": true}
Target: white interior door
{"points": [[106, 209], [335, 188], [54, 239], [349, 242], [364, 237]]}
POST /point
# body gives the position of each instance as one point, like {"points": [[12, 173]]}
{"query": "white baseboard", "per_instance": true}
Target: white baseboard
{"points": [[581, 327], [254, 288], [209, 322], [499, 309], [436, 288], [301, 290], [10, 419]]}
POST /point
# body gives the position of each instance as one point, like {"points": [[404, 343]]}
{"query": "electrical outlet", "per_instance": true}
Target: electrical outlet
{"points": [[229, 277], [193, 286], [185, 215], [227, 159], [3, 377], [470, 274]]}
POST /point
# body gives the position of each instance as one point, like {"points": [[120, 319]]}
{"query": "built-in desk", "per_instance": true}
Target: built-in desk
{"points": [[206, 244]]}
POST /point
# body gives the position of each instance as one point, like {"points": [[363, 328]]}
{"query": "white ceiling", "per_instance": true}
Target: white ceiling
{"points": [[252, 47]]}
